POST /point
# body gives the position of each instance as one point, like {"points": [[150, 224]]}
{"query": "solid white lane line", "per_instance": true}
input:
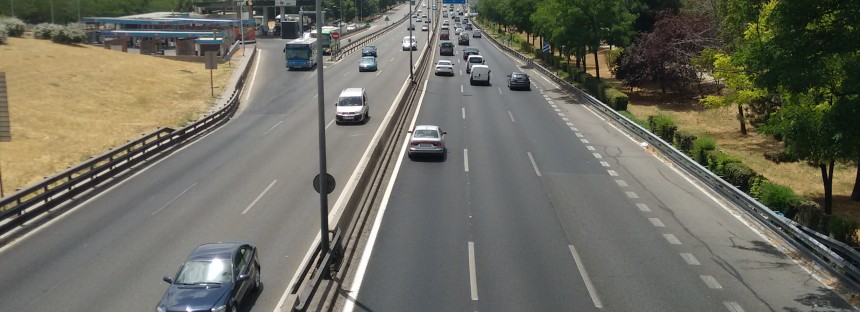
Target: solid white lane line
{"points": [[597, 155], [733, 306], [174, 199], [656, 222], [612, 173], [512, 116], [672, 239], [532, 159], [643, 207], [621, 183], [690, 259], [602, 163], [273, 127], [466, 160], [632, 195], [588, 285], [500, 89], [464, 113], [254, 76], [547, 80], [259, 196], [589, 147], [473, 279], [711, 282]]}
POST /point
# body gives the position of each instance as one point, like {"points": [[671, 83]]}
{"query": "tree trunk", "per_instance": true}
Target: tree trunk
{"points": [[742, 119], [855, 194], [596, 65], [583, 59], [827, 177]]}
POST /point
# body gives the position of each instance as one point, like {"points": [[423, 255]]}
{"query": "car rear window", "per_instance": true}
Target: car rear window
{"points": [[447, 44], [476, 59], [424, 134]]}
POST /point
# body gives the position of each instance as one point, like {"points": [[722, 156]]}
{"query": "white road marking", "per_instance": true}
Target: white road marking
{"points": [[556, 109], [672, 239], [583, 141], [690, 259], [574, 129], [643, 207], [512, 116], [316, 96], [174, 199], [329, 123], [473, 278], [344, 74], [621, 183], [461, 88], [656, 222], [579, 135], [589, 147], [547, 80], [259, 196], [464, 112], [632, 195], [602, 163], [461, 72], [733, 306], [612, 173], [500, 89], [392, 59], [561, 114], [588, 285], [254, 76], [569, 124], [466, 160], [566, 120], [273, 127], [532, 159], [711, 282], [378, 72], [597, 155]]}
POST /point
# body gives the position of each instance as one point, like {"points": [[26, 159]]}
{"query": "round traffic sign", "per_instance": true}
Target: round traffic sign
{"points": [[335, 35]]}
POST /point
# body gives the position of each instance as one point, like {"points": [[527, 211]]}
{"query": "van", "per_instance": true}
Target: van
{"points": [[480, 75], [409, 43], [446, 48], [351, 106], [473, 60]]}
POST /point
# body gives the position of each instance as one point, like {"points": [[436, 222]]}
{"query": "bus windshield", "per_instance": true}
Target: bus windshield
{"points": [[298, 52]]}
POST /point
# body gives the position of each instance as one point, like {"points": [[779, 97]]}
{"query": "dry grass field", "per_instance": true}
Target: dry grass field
{"points": [[68, 103]]}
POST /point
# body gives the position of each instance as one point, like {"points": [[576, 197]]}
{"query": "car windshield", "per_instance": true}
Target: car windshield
{"points": [[425, 134], [369, 49], [204, 272], [349, 101], [367, 60]]}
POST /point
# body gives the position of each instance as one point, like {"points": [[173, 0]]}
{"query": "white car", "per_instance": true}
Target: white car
{"points": [[444, 67], [351, 27], [427, 140], [409, 43]]}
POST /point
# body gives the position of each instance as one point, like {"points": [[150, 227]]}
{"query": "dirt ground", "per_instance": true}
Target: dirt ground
{"points": [[722, 124], [71, 102]]}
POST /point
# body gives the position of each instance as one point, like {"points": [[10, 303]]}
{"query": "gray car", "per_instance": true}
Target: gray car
{"points": [[427, 140], [367, 63]]}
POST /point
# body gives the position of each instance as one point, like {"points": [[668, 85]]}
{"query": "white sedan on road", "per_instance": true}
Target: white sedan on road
{"points": [[444, 67]]}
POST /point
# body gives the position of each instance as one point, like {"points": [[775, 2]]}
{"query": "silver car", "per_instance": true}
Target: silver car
{"points": [[444, 67], [427, 140]]}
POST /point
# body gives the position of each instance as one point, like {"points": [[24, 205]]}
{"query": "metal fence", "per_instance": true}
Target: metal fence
{"points": [[839, 258]]}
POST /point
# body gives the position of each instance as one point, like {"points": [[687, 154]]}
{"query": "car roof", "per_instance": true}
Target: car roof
{"points": [[479, 66], [475, 56], [519, 73], [224, 250], [471, 49], [352, 92], [427, 127]]}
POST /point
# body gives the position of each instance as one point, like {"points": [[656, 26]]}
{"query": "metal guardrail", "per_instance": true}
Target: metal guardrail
{"points": [[361, 42], [837, 257], [31, 202]]}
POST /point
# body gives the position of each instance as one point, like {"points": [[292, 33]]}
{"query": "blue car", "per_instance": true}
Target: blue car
{"points": [[214, 278], [367, 63]]}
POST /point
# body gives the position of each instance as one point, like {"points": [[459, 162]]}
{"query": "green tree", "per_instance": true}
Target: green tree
{"points": [[741, 90]]}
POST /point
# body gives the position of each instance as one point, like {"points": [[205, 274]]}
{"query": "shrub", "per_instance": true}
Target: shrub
{"points": [[684, 141], [46, 31], [616, 99], [663, 126], [778, 197], [718, 160], [2, 34], [700, 146], [630, 116], [14, 27], [70, 35], [842, 229], [739, 175], [595, 86], [810, 215]]}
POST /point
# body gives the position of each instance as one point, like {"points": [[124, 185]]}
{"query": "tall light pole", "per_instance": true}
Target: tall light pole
{"points": [[325, 248], [412, 44], [241, 26]]}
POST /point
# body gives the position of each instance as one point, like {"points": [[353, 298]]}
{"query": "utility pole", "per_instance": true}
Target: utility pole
{"points": [[411, 39], [325, 248], [51, 3], [241, 26]]}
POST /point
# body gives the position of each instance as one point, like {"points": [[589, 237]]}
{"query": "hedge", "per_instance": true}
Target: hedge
{"points": [[46, 30], [700, 147], [616, 99], [739, 175], [14, 27], [70, 35], [2, 34], [684, 141], [778, 197], [663, 126]]}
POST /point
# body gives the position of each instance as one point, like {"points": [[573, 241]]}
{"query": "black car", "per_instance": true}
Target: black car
{"points": [[215, 277], [470, 51], [519, 81], [410, 27], [369, 51], [446, 48]]}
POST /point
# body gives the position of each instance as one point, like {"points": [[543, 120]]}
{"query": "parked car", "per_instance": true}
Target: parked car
{"points": [[469, 51], [369, 51], [367, 63], [427, 140], [517, 80], [444, 67], [215, 277]]}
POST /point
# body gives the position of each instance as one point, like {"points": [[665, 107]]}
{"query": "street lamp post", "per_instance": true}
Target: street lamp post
{"points": [[412, 43]]}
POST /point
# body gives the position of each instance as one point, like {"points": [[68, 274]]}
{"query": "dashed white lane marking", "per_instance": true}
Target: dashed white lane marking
{"points": [[391, 60], [643, 207], [566, 120], [597, 155], [569, 124], [174, 199], [512, 116], [583, 141], [273, 127], [550, 102], [588, 285], [346, 74], [590, 148], [656, 222], [259, 196], [632, 195], [461, 88], [378, 72], [602, 163], [466, 160], [556, 109], [532, 159], [574, 129], [561, 114], [733, 306], [461, 72], [329, 124], [473, 279], [315, 96], [621, 183], [500, 90], [612, 173], [711, 282], [690, 259], [464, 113], [672, 239], [579, 135]]}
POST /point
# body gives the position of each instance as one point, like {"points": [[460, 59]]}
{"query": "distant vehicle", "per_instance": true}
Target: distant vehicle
{"points": [[367, 63], [427, 21], [418, 20], [427, 140], [446, 48], [410, 26], [463, 39], [480, 75], [425, 27], [369, 51], [409, 43], [473, 60], [351, 106], [351, 27], [301, 53], [458, 31], [444, 34], [445, 23], [469, 51], [445, 14], [444, 67], [517, 80], [468, 27], [476, 33], [329, 44], [215, 277]]}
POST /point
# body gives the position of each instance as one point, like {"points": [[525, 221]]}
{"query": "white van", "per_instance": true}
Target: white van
{"points": [[409, 43], [480, 75], [473, 60], [351, 106]]}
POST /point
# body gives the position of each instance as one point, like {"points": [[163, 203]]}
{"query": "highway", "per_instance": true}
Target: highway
{"points": [[540, 205], [249, 180]]}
